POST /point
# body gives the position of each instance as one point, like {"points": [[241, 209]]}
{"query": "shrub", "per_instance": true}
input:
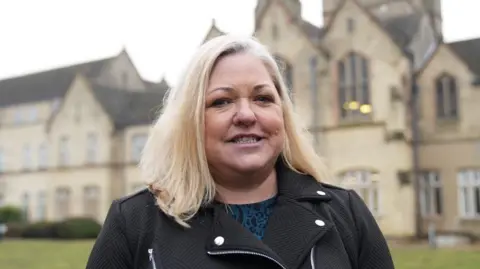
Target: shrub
{"points": [[10, 214], [15, 229], [75, 228], [41, 230], [78, 228]]}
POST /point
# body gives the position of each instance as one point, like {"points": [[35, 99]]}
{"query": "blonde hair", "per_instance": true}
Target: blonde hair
{"points": [[174, 163]]}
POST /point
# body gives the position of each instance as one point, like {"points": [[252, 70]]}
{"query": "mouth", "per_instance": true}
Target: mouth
{"points": [[245, 139]]}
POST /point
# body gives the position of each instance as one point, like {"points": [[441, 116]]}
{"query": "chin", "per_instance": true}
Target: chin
{"points": [[250, 165]]}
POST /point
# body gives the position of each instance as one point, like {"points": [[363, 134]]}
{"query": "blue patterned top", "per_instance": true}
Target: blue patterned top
{"points": [[253, 217]]}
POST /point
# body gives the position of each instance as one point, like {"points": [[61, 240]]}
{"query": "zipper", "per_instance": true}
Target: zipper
{"points": [[312, 257], [151, 258], [245, 252]]}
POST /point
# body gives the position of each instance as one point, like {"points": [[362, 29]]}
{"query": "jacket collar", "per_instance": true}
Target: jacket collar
{"points": [[299, 187], [295, 226]]}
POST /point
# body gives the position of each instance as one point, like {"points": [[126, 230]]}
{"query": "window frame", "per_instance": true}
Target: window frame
{"points": [[354, 89], [431, 188], [468, 186], [446, 97], [137, 147], [364, 181]]}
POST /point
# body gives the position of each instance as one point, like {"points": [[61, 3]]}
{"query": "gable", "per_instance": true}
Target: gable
{"points": [[79, 107], [444, 60], [276, 28], [213, 32], [120, 72], [293, 7], [353, 28]]}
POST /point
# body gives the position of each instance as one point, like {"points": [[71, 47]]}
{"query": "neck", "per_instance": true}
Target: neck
{"points": [[255, 188]]}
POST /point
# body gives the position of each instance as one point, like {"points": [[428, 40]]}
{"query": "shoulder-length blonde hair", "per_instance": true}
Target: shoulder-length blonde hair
{"points": [[174, 163]]}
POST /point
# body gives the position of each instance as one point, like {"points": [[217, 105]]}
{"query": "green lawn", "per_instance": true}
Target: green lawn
{"points": [[73, 255]]}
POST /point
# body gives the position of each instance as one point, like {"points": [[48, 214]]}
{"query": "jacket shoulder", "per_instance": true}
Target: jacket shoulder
{"points": [[136, 204], [337, 192], [334, 187], [143, 194], [340, 199]]}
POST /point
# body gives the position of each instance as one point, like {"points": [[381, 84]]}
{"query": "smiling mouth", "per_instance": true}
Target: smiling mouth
{"points": [[246, 140]]}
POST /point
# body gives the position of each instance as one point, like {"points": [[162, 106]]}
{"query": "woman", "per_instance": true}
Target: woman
{"points": [[234, 183]]}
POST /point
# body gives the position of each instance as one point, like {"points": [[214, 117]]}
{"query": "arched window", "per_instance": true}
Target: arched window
{"points": [[446, 97], [354, 87], [287, 71], [363, 182]]}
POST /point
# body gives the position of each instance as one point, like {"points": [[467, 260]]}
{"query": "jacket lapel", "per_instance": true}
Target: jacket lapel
{"points": [[294, 226], [228, 237]]}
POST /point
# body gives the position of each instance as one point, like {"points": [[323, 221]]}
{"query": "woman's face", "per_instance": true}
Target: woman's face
{"points": [[244, 130]]}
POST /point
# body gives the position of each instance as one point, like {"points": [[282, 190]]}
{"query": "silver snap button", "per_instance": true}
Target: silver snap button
{"points": [[219, 240], [320, 193], [320, 223]]}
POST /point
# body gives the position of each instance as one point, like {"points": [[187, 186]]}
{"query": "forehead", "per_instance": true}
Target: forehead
{"points": [[242, 68]]}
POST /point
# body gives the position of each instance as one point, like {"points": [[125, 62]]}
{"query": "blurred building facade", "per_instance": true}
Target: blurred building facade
{"points": [[70, 138]]}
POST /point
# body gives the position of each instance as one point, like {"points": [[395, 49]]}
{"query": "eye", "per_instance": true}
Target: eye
{"points": [[265, 99], [220, 102]]}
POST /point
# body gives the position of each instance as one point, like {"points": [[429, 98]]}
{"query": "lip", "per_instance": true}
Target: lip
{"points": [[248, 146], [231, 139]]}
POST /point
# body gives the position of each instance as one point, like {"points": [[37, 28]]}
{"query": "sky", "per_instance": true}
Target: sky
{"points": [[159, 35]]}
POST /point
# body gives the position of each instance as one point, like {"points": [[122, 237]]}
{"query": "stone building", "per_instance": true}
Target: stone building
{"points": [[392, 107]]}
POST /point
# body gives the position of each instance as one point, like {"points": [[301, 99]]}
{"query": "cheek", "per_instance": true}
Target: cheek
{"points": [[215, 126], [273, 122]]}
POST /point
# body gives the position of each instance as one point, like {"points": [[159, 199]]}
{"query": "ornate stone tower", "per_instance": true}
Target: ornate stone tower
{"points": [[386, 9]]}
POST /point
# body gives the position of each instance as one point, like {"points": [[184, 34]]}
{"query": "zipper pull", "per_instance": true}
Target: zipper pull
{"points": [[150, 257], [150, 254]]}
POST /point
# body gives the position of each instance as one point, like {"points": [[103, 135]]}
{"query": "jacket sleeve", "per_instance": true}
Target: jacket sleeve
{"points": [[373, 251], [111, 249]]}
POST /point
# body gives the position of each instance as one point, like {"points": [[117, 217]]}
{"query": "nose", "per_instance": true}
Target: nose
{"points": [[244, 115]]}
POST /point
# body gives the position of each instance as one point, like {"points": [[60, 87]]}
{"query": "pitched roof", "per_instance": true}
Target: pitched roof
{"points": [[402, 29], [313, 33], [469, 52], [127, 108], [213, 31], [45, 85], [160, 87]]}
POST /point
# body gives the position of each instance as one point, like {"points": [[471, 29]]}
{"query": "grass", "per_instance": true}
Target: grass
{"points": [[21, 254], [73, 255], [424, 258]]}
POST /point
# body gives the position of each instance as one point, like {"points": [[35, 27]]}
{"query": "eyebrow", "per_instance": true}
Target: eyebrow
{"points": [[257, 88]]}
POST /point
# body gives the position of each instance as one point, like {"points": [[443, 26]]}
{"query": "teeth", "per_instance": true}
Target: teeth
{"points": [[246, 140]]}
